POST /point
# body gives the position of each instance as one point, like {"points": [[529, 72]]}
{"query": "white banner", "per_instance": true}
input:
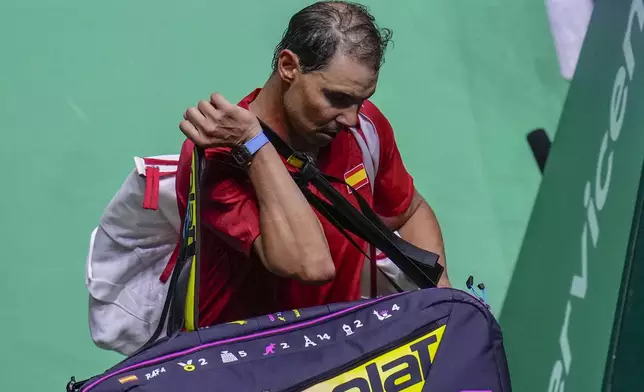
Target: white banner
{"points": [[568, 22]]}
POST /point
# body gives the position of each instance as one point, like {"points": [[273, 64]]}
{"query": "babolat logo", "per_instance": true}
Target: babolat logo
{"points": [[400, 369]]}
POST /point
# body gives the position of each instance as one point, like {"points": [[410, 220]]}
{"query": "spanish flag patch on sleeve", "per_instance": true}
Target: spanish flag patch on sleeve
{"points": [[356, 177]]}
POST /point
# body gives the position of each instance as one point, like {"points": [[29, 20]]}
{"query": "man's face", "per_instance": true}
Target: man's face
{"points": [[320, 103]]}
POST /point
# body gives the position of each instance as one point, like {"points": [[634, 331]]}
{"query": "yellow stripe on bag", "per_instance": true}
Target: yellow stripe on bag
{"points": [[189, 312], [190, 298]]}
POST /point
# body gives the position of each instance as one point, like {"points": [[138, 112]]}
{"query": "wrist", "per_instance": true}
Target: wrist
{"points": [[251, 133], [244, 153]]}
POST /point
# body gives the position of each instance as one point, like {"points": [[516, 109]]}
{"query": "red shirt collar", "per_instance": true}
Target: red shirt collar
{"points": [[246, 101]]}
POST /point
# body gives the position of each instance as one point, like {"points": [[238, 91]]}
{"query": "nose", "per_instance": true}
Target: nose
{"points": [[349, 117]]}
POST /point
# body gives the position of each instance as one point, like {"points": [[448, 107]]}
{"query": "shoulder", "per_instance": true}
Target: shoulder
{"points": [[374, 117]]}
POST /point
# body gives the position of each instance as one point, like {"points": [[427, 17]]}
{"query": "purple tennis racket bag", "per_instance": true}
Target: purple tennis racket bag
{"points": [[425, 340]]}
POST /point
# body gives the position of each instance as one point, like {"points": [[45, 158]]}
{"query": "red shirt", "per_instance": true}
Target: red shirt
{"points": [[234, 284]]}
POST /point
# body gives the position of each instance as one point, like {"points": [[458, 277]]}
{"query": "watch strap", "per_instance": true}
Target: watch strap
{"points": [[256, 142]]}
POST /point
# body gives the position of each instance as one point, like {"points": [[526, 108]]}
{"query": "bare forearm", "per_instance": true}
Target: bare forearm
{"points": [[422, 229], [292, 240]]}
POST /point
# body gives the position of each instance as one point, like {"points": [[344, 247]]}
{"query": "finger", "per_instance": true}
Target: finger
{"points": [[208, 110], [197, 118], [192, 133], [218, 101]]}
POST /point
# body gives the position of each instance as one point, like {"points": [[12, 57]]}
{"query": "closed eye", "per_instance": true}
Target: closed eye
{"points": [[340, 100]]}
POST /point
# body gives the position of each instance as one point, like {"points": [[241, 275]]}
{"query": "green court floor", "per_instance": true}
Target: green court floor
{"points": [[85, 86]]}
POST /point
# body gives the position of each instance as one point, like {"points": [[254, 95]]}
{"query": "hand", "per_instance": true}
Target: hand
{"points": [[218, 123]]}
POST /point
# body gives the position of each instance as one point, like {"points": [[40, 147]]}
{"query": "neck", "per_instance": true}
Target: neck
{"points": [[269, 107]]}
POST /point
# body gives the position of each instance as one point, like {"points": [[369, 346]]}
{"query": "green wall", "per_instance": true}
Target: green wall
{"points": [[85, 86], [560, 308]]}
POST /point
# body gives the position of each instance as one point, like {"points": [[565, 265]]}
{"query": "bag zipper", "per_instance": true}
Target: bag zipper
{"points": [[362, 360]]}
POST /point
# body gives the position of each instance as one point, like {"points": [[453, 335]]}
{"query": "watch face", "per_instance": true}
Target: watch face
{"points": [[242, 155]]}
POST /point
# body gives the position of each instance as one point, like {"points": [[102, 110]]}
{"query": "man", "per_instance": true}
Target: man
{"points": [[264, 248]]}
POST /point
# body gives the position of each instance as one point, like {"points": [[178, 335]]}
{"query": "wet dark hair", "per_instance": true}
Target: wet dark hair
{"points": [[316, 32]]}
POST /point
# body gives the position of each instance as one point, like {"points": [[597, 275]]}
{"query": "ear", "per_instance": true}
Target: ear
{"points": [[288, 66]]}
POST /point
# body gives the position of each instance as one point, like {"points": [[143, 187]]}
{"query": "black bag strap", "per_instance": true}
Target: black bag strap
{"points": [[320, 206], [419, 265]]}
